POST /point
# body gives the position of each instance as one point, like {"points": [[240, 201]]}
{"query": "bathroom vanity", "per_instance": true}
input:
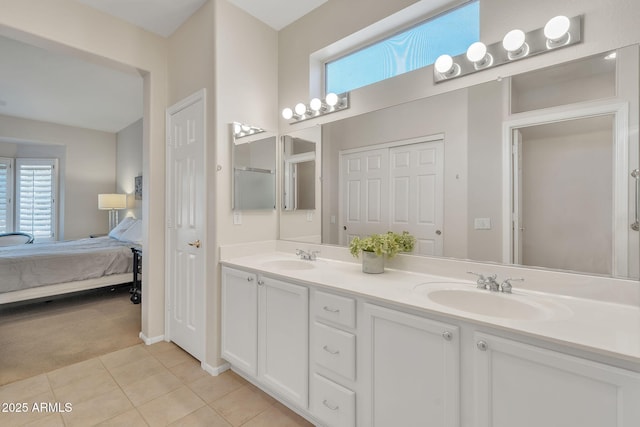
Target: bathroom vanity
{"points": [[344, 348]]}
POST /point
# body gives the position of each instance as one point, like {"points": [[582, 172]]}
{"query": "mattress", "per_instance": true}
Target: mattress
{"points": [[41, 264]]}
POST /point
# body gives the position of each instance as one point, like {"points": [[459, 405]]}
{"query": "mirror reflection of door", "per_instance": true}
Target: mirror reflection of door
{"points": [[399, 188], [299, 189], [563, 195]]}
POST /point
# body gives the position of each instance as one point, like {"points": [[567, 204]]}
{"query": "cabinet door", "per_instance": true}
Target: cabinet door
{"points": [[240, 319], [412, 370], [526, 386], [283, 338]]}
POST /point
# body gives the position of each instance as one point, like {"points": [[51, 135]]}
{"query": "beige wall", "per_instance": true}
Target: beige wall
{"points": [[87, 167], [68, 26], [129, 165]]}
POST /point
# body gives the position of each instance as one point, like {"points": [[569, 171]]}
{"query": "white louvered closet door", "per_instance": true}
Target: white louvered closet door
{"points": [[36, 197]]}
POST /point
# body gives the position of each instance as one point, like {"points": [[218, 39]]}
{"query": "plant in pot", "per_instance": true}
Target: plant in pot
{"points": [[375, 247]]}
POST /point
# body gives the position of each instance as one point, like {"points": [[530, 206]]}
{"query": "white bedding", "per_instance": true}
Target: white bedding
{"points": [[41, 264]]}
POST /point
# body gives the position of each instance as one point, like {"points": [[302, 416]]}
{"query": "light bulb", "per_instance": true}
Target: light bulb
{"points": [[513, 40], [331, 99], [557, 28], [476, 52], [246, 128], [315, 104], [287, 113], [444, 64], [236, 128], [300, 109]]}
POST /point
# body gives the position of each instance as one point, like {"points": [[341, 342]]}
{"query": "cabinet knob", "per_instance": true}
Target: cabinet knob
{"points": [[250, 279], [482, 345], [447, 335], [260, 282]]}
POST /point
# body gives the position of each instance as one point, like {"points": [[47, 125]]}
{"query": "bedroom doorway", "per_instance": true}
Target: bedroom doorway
{"points": [[186, 227]]}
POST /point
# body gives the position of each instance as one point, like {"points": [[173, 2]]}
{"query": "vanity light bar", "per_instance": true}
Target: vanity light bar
{"points": [[559, 32], [317, 107], [241, 130]]}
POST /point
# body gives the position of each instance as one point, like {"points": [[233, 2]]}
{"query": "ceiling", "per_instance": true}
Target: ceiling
{"points": [[47, 86]]}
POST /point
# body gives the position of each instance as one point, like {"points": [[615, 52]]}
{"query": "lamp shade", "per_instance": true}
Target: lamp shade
{"points": [[112, 201]]}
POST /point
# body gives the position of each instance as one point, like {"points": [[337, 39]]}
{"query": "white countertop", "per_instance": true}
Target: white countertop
{"points": [[606, 328]]}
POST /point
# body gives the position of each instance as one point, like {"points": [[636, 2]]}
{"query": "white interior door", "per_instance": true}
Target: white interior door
{"points": [[364, 182], [518, 226], [417, 189], [186, 214]]}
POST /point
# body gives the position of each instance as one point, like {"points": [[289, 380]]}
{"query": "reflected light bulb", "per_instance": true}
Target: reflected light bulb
{"points": [[444, 64], [315, 104], [557, 28], [287, 113], [476, 52], [331, 99], [236, 128], [300, 108]]}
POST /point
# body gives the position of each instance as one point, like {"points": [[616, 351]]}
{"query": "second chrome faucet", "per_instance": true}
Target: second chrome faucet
{"points": [[491, 283]]}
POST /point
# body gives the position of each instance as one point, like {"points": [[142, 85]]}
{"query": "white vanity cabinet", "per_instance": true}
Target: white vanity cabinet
{"points": [[411, 370], [265, 331], [521, 385]]}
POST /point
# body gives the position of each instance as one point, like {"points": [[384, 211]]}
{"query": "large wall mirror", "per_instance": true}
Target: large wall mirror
{"points": [[534, 169]]}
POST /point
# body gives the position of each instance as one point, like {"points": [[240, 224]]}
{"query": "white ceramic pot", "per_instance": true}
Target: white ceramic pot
{"points": [[372, 263]]}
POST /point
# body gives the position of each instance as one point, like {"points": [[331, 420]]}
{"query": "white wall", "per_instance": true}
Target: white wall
{"points": [[87, 167], [129, 166]]}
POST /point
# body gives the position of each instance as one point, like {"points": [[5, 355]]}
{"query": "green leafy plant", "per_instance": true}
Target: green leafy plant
{"points": [[383, 244]]}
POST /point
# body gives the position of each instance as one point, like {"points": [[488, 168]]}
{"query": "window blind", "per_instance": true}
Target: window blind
{"points": [[5, 195], [35, 191]]}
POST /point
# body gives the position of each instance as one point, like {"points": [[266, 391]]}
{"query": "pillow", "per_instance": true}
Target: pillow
{"points": [[133, 233], [124, 225]]}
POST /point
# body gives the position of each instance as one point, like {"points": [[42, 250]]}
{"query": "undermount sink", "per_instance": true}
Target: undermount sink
{"points": [[289, 264], [492, 304]]}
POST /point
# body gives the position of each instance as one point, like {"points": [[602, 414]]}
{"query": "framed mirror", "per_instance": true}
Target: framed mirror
{"points": [[253, 158], [475, 126]]}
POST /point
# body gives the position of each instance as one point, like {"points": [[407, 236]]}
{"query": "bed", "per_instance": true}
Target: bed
{"points": [[46, 269]]}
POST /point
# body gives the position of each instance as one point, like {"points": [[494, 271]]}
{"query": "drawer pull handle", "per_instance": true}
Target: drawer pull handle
{"points": [[330, 309], [328, 350], [330, 406]]}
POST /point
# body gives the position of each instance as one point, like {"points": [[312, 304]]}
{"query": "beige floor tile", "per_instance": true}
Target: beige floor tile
{"points": [[98, 409], [161, 346], [52, 420], [278, 415], [86, 388], [211, 388], [29, 412], [188, 371], [23, 389], [131, 418], [241, 405], [137, 370], [151, 387], [170, 407], [203, 417], [67, 375], [124, 356], [173, 356]]}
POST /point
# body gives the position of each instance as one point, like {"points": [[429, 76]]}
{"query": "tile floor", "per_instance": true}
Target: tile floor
{"points": [[157, 385]]}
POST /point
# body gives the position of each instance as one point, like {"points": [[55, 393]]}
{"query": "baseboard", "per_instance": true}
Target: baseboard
{"points": [[215, 370], [153, 340]]}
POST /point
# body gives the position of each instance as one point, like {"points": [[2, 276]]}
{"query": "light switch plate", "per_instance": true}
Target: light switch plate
{"points": [[482, 223], [237, 217]]}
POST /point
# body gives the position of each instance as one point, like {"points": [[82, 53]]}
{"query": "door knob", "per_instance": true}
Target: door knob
{"points": [[195, 243], [438, 232]]}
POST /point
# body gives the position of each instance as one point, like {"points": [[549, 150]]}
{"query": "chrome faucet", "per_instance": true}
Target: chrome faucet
{"points": [[506, 284], [481, 282], [492, 284], [311, 255]]}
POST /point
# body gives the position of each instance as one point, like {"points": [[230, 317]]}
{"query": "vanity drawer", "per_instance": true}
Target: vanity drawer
{"points": [[335, 350], [334, 308], [331, 403]]}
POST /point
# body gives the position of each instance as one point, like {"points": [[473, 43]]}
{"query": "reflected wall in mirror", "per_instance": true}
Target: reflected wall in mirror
{"points": [[254, 171], [474, 125], [300, 219]]}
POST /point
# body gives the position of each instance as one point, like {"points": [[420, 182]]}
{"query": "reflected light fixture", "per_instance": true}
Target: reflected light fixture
{"points": [[317, 107], [240, 130], [559, 31]]}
